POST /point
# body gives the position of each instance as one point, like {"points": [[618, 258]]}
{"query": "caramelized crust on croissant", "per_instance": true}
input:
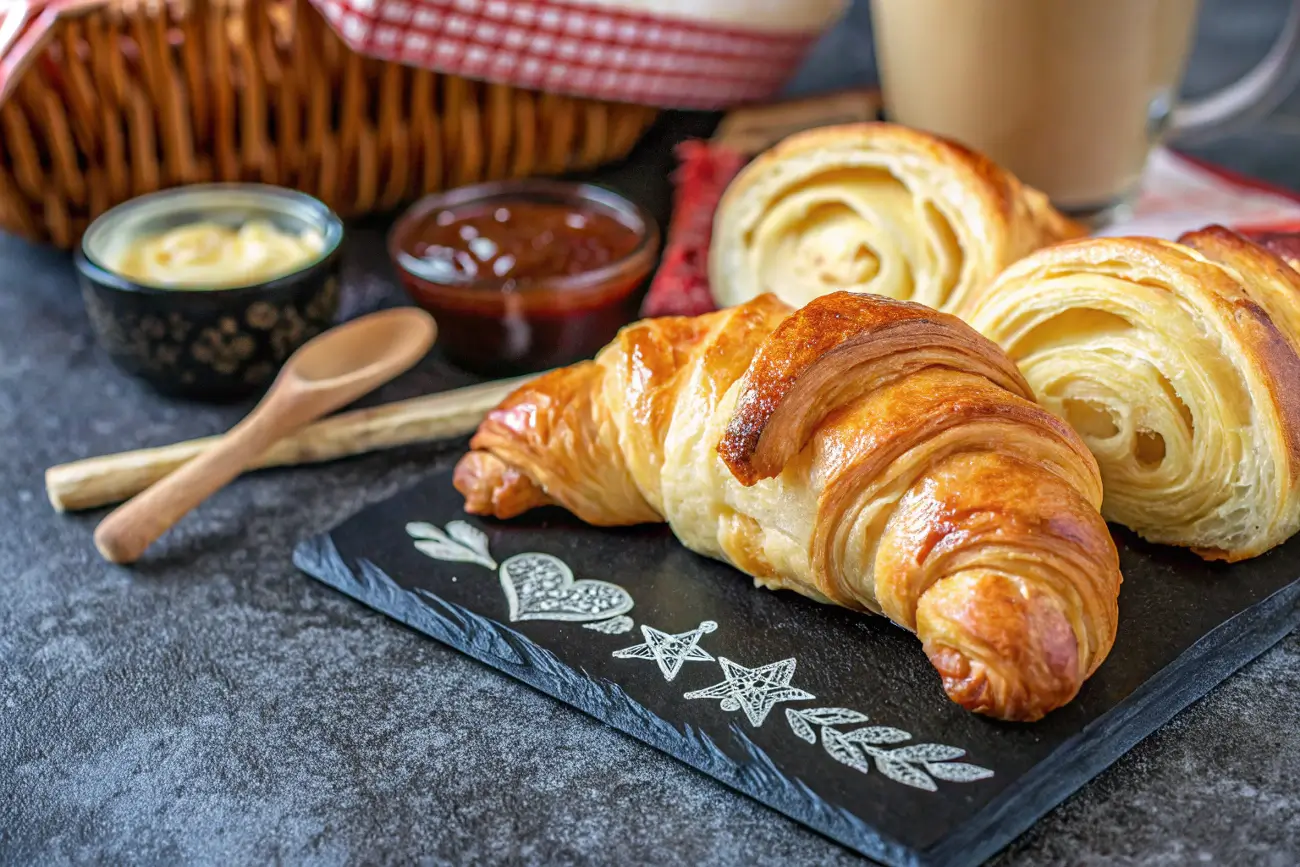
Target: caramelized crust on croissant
{"points": [[1179, 363], [874, 207], [866, 452]]}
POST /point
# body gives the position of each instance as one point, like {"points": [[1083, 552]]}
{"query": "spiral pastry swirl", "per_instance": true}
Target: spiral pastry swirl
{"points": [[874, 208], [1178, 364]]}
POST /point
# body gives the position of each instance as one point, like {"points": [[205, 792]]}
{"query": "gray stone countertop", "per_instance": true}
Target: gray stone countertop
{"points": [[215, 706]]}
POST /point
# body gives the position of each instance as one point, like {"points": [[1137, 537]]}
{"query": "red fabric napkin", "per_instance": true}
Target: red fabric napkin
{"points": [[681, 285]]}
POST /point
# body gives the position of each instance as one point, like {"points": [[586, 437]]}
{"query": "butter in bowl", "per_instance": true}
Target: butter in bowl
{"points": [[204, 291]]}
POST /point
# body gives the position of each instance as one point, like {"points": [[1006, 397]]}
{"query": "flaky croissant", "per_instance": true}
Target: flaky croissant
{"points": [[877, 208], [1178, 364], [862, 451]]}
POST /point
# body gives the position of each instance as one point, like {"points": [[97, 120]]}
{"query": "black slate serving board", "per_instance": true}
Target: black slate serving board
{"points": [[854, 736]]}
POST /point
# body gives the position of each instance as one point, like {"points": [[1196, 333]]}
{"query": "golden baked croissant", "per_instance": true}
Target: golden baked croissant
{"points": [[876, 208], [862, 451], [1177, 362]]}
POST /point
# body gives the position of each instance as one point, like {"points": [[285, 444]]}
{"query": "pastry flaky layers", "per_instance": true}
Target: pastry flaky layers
{"points": [[877, 208], [1178, 364], [862, 451]]}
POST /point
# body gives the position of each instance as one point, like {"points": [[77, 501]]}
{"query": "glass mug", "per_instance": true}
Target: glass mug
{"points": [[1069, 95]]}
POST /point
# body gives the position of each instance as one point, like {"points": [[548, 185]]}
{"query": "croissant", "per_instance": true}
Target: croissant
{"points": [[862, 451], [876, 208], [1178, 364]]}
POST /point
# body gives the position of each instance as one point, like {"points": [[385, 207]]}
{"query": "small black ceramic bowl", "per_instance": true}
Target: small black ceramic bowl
{"points": [[200, 343]]}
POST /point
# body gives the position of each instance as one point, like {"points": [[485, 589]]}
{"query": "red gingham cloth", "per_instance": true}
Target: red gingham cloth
{"points": [[586, 48], [1178, 194], [581, 49]]}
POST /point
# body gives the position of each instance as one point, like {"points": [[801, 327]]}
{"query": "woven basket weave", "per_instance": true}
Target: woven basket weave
{"points": [[124, 98]]}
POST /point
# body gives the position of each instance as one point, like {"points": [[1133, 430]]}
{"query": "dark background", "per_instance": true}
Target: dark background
{"points": [[215, 706]]}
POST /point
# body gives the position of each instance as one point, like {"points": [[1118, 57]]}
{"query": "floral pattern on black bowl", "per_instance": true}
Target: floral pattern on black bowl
{"points": [[214, 344]]}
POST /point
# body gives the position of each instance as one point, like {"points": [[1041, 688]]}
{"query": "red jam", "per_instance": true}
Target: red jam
{"points": [[517, 242], [524, 275]]}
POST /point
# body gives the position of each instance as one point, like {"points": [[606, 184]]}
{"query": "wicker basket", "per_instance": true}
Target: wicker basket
{"points": [[122, 98]]}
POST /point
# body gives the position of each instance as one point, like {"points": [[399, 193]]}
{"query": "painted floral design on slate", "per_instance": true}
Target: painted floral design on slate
{"points": [[461, 542], [670, 650], [613, 626], [754, 690], [915, 765], [536, 586], [542, 587]]}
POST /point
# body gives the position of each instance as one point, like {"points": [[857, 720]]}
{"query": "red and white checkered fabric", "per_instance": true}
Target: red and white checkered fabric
{"points": [[587, 48]]}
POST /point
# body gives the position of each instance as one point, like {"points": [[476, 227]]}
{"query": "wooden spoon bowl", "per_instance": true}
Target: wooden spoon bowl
{"points": [[327, 373]]}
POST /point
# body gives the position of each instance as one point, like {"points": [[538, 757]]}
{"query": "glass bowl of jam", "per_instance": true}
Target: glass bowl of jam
{"points": [[524, 275]]}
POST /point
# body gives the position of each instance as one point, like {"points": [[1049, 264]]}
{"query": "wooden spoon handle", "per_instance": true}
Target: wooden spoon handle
{"points": [[100, 481], [123, 536]]}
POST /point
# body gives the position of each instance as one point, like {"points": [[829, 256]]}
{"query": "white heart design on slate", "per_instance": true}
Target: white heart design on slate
{"points": [[541, 587]]}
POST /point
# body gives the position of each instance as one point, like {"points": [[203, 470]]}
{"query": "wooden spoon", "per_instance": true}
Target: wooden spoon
{"points": [[327, 372]]}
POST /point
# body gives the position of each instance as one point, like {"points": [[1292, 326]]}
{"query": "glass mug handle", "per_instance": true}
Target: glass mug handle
{"points": [[1254, 95]]}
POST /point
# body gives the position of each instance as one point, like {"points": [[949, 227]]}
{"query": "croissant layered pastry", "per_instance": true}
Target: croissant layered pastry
{"points": [[862, 451], [876, 208], [1178, 364]]}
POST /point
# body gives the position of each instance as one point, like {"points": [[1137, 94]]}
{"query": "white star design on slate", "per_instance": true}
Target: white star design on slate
{"points": [[669, 650], [755, 690]]}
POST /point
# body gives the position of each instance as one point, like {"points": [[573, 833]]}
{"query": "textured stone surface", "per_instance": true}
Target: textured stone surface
{"points": [[214, 706]]}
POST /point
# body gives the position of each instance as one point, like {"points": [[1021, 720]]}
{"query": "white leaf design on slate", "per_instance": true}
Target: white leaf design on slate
{"points": [[958, 772], [902, 772], [613, 626], [926, 753], [877, 735], [915, 765], [843, 751], [433, 542], [802, 721], [469, 536], [446, 551], [423, 530], [831, 716], [800, 726]]}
